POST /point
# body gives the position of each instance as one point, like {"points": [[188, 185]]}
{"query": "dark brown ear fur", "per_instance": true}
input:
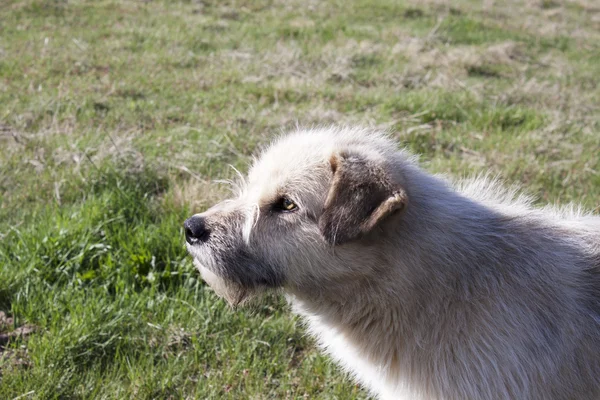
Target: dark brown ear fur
{"points": [[361, 195]]}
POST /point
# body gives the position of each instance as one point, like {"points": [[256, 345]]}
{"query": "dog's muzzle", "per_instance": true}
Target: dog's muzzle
{"points": [[196, 230]]}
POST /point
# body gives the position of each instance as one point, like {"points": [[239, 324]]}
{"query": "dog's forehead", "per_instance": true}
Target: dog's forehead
{"points": [[292, 159], [288, 158]]}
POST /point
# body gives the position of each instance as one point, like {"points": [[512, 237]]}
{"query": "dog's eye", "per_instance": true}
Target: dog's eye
{"points": [[285, 204]]}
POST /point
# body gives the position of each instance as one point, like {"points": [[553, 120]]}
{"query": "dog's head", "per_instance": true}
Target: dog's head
{"points": [[311, 212]]}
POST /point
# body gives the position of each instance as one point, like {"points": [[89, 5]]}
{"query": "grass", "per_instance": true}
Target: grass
{"points": [[115, 116]]}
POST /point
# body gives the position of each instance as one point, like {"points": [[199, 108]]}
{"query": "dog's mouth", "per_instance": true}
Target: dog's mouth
{"points": [[232, 292], [213, 272], [235, 278]]}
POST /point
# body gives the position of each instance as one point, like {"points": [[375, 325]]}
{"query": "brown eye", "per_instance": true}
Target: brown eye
{"points": [[285, 204]]}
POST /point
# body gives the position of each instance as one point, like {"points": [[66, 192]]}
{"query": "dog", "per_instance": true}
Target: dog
{"points": [[419, 288]]}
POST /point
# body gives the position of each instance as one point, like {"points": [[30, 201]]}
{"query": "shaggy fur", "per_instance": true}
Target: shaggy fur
{"points": [[420, 289]]}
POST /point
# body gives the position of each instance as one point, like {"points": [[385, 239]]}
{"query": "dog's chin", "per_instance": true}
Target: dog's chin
{"points": [[234, 293]]}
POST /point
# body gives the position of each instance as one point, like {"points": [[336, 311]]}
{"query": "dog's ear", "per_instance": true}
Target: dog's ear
{"points": [[362, 194]]}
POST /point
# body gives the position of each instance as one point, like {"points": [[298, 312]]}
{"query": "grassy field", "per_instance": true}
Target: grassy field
{"points": [[115, 116]]}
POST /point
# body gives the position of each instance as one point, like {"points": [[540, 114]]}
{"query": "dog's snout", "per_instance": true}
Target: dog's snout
{"points": [[196, 229]]}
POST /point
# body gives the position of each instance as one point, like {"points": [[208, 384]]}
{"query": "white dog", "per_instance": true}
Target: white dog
{"points": [[419, 289]]}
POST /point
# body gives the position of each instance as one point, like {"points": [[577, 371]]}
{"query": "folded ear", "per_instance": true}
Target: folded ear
{"points": [[362, 194]]}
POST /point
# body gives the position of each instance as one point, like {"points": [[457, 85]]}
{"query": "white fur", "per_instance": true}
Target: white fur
{"points": [[470, 293]]}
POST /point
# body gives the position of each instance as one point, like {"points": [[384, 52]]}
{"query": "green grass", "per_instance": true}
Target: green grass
{"points": [[115, 116]]}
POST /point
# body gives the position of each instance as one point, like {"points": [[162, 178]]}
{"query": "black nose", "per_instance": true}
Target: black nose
{"points": [[196, 230]]}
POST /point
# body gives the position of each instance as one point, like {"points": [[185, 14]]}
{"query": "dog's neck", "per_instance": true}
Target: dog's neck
{"points": [[378, 324], [370, 339]]}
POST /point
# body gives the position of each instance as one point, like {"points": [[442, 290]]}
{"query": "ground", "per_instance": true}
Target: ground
{"points": [[117, 116]]}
